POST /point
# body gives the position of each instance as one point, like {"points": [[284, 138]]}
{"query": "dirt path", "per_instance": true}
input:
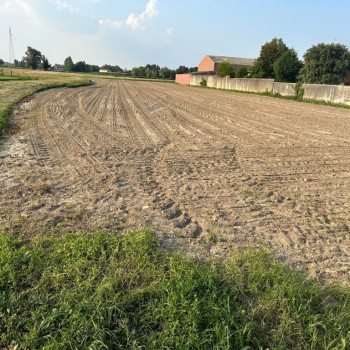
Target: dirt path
{"points": [[197, 165]]}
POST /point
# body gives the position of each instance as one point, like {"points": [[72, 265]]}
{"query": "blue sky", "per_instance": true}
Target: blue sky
{"points": [[167, 32]]}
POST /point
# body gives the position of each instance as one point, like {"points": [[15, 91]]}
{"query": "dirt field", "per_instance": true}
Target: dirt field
{"points": [[207, 169]]}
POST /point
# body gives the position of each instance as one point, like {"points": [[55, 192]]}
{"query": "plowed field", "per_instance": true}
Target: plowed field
{"points": [[207, 169]]}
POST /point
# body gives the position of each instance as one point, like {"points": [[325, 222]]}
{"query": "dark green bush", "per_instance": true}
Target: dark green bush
{"points": [[203, 83]]}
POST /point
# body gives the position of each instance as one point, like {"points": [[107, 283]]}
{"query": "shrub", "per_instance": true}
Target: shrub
{"points": [[241, 72], [203, 83], [225, 69]]}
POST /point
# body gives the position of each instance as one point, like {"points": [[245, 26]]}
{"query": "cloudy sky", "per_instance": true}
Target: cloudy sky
{"points": [[167, 32]]}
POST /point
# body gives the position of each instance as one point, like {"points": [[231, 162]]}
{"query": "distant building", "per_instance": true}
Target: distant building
{"points": [[209, 66], [211, 63], [58, 68], [104, 70]]}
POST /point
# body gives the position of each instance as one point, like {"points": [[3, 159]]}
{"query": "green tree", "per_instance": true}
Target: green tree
{"points": [[45, 65], [326, 64], [269, 53], [134, 72], [93, 68], [19, 63], [241, 72], [287, 67], [68, 64], [32, 58], [117, 69], [142, 71], [164, 73], [2, 62], [225, 69], [80, 66], [181, 70]]}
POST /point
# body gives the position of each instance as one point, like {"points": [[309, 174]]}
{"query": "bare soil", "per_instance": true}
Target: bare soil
{"points": [[209, 170]]}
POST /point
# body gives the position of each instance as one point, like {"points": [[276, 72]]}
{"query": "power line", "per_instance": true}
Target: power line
{"points": [[11, 50]]}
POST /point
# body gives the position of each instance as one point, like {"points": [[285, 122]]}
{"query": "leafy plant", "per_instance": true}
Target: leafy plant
{"points": [[287, 67], [269, 53], [299, 91], [225, 69], [241, 72], [326, 64]]}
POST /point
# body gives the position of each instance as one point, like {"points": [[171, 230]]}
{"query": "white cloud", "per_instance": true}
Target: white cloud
{"points": [[109, 23], [67, 6], [24, 7], [135, 21]]}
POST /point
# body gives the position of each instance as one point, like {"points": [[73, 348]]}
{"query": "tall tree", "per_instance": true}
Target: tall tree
{"points": [[80, 66], [269, 53], [68, 64], [32, 58], [19, 63], [93, 68], [164, 73], [326, 64], [287, 67], [225, 69], [45, 63], [117, 69], [181, 70], [2, 62]]}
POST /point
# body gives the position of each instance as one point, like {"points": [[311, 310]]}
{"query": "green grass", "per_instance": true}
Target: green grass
{"points": [[104, 291], [7, 78]]}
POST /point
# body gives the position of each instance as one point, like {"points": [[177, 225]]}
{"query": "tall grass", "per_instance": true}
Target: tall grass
{"points": [[102, 291]]}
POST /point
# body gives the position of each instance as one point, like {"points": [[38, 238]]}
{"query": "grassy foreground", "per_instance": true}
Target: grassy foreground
{"points": [[26, 83], [102, 291]]}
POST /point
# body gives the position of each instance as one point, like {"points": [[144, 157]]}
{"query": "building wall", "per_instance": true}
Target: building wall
{"points": [[255, 85], [206, 65], [285, 89], [330, 93], [183, 79]]}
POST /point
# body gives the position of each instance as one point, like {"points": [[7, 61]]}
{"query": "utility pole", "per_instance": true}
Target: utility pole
{"points": [[11, 50]]}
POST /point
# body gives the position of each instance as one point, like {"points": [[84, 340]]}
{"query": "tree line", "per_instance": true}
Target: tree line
{"points": [[322, 64], [34, 59], [150, 71]]}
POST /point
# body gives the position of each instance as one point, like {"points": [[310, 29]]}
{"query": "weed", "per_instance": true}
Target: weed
{"points": [[299, 91], [111, 291], [212, 238], [247, 193], [203, 83]]}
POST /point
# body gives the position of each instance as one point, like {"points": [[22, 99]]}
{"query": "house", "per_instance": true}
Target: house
{"points": [[104, 70], [209, 66], [211, 63], [58, 68]]}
